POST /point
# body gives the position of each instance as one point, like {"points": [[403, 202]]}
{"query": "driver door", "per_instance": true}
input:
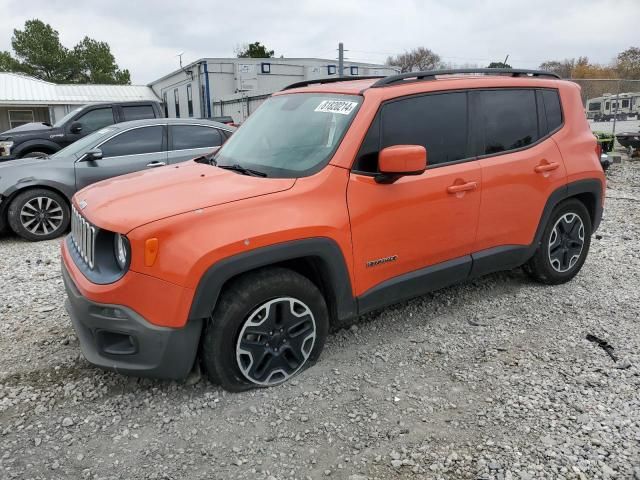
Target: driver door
{"points": [[417, 233], [89, 121], [130, 151]]}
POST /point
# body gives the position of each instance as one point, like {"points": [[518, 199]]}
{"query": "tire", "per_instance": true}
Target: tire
{"points": [[250, 321], [35, 154], [38, 214], [564, 245]]}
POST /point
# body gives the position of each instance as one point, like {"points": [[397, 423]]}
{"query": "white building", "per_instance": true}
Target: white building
{"points": [[25, 99], [236, 86]]}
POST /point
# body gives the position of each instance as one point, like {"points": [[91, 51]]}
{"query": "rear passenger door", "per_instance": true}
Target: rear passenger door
{"points": [[190, 141], [521, 163], [418, 221], [132, 150]]}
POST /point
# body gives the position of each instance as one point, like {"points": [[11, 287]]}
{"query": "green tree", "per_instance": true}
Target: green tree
{"points": [[39, 53], [628, 63], [499, 65], [96, 63], [254, 50]]}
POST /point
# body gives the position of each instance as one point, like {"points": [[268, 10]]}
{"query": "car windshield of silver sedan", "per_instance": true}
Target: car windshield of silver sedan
{"points": [[289, 136]]}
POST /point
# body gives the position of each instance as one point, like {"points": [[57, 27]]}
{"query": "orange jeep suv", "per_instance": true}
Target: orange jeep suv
{"points": [[335, 198]]}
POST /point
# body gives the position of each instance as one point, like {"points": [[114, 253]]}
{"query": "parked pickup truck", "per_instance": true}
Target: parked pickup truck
{"points": [[41, 139]]}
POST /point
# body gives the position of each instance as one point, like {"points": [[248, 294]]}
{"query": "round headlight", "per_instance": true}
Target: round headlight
{"points": [[121, 250]]}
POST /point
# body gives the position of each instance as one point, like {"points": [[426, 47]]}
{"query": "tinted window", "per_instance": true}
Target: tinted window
{"points": [[189, 136], [132, 142], [138, 112], [507, 120], [552, 108], [95, 119], [438, 122]]}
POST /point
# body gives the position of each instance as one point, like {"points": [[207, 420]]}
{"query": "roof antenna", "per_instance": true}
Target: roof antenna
{"points": [[187, 72]]}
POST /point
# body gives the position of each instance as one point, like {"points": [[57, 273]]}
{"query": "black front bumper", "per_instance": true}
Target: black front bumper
{"points": [[114, 337]]}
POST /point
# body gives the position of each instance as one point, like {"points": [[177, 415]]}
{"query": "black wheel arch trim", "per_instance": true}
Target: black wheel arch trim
{"points": [[36, 144], [321, 249]]}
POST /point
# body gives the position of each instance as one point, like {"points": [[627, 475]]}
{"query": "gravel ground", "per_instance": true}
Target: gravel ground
{"points": [[492, 379]]}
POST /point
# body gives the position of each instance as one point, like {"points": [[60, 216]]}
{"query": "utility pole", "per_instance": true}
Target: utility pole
{"points": [[340, 59]]}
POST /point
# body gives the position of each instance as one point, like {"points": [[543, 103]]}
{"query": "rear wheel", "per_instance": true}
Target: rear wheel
{"points": [[267, 327], [38, 214], [564, 245]]}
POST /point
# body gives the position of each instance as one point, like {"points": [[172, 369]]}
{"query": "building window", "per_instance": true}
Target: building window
{"points": [[265, 67], [189, 100], [20, 117], [354, 70], [176, 100], [331, 69], [166, 104]]}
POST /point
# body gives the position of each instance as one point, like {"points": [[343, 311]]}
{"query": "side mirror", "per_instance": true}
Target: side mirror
{"points": [[399, 161], [76, 127], [91, 155]]}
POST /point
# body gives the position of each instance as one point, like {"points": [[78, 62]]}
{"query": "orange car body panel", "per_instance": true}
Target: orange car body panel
{"points": [[201, 215]]}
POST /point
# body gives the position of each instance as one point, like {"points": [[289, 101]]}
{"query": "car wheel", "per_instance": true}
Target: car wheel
{"points": [[35, 155], [564, 245], [267, 327], [38, 215]]}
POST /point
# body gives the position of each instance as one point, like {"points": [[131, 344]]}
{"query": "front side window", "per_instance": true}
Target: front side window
{"points": [[193, 136], [96, 119], [506, 120], [79, 148], [291, 136], [134, 142]]}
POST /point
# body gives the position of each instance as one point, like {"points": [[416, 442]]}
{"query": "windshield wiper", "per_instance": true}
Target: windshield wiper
{"points": [[208, 158], [244, 171]]}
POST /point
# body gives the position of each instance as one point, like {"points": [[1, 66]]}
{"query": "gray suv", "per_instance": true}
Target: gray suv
{"points": [[35, 193]]}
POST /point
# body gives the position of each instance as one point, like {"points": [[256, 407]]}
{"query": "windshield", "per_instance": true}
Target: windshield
{"points": [[81, 146], [291, 135], [64, 119]]}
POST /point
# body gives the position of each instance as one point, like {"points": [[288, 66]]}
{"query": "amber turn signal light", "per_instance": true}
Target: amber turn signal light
{"points": [[150, 251]]}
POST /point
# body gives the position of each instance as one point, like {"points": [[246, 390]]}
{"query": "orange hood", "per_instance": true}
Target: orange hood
{"points": [[123, 203]]}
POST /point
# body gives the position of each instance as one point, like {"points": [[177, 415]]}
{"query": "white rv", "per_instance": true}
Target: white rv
{"points": [[621, 106]]}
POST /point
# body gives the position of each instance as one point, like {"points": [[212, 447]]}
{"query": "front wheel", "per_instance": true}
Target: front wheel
{"points": [[268, 326], [564, 245], [38, 214]]}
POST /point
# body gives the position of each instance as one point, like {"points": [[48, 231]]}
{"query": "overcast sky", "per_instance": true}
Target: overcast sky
{"points": [[145, 36]]}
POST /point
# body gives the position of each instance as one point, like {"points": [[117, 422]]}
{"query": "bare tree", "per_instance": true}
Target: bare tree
{"points": [[418, 59]]}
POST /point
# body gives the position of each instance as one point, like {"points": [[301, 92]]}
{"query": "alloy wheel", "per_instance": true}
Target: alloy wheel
{"points": [[566, 242], [41, 215], [275, 341]]}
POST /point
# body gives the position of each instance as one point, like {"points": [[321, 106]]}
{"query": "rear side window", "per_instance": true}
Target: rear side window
{"points": [[506, 120], [552, 108], [138, 112], [134, 142], [193, 136]]}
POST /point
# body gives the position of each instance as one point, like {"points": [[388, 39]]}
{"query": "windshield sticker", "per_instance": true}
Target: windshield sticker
{"points": [[343, 107]]}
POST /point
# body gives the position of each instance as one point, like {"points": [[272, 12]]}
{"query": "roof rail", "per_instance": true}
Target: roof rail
{"points": [[321, 81], [432, 74]]}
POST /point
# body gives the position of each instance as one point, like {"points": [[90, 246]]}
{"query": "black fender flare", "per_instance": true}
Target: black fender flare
{"points": [[321, 249], [36, 144]]}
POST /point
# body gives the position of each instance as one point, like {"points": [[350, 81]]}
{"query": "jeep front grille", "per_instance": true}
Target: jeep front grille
{"points": [[83, 236]]}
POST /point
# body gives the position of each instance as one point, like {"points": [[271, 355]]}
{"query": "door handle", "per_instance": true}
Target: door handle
{"points": [[546, 167], [463, 187], [156, 164]]}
